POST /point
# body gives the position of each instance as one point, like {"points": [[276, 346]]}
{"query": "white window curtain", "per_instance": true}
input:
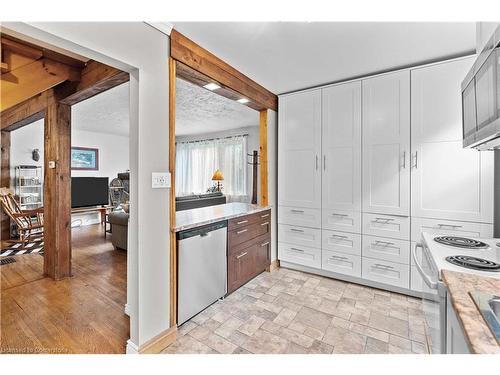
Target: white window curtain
{"points": [[197, 161]]}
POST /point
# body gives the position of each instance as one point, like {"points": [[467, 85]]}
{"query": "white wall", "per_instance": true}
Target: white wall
{"points": [[484, 31], [253, 144], [143, 51]]}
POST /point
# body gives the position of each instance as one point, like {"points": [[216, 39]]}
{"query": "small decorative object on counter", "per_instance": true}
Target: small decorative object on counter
{"points": [[218, 177]]}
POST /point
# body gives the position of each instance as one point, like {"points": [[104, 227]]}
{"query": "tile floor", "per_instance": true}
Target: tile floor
{"points": [[287, 311]]}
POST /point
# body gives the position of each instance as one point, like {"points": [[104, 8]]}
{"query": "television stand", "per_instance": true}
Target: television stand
{"points": [[103, 210]]}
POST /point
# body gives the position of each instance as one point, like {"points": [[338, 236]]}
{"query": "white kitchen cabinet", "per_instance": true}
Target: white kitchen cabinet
{"points": [[343, 263], [341, 146], [349, 243], [447, 181], [385, 272], [301, 255], [386, 144], [457, 228], [299, 169], [299, 235], [389, 249]]}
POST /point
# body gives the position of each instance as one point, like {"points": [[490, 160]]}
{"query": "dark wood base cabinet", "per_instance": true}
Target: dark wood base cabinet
{"points": [[249, 248]]}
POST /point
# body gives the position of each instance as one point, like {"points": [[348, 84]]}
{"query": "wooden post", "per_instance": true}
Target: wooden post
{"points": [[264, 199], [57, 190], [5, 182]]}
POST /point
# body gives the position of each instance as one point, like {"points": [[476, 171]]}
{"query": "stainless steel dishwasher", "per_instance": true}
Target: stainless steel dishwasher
{"points": [[202, 268]]}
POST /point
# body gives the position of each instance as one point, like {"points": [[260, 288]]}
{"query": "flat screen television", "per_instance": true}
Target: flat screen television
{"points": [[89, 191]]}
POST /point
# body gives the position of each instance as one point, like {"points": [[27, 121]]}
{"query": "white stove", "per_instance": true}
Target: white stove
{"points": [[478, 256]]}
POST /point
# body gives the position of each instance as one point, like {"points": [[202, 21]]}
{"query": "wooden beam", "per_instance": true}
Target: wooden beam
{"points": [[188, 52], [57, 190], [264, 199], [199, 79], [32, 79], [24, 113], [21, 48], [95, 79], [171, 167], [5, 182]]}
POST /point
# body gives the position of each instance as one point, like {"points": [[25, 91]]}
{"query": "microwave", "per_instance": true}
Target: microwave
{"points": [[481, 99]]}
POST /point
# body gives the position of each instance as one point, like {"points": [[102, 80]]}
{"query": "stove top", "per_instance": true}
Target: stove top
{"points": [[462, 242], [473, 263]]}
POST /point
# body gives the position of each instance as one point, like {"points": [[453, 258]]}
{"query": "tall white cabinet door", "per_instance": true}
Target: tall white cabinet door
{"points": [[341, 146], [386, 144], [448, 182], [299, 169]]}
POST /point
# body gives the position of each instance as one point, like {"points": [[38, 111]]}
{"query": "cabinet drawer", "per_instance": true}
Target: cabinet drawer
{"points": [[348, 243], [299, 235], [345, 264], [345, 221], [303, 217], [458, 228], [303, 255], [386, 272], [242, 221], [415, 280], [386, 226], [386, 249], [240, 235]]}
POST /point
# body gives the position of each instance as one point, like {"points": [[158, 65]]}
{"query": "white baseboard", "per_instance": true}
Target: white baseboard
{"points": [[131, 348], [127, 309]]}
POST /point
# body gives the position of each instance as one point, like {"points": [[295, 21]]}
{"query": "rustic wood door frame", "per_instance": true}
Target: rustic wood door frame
{"points": [[193, 63]]}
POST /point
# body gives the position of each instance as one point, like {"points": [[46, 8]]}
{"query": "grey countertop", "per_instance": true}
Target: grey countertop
{"points": [[196, 217]]}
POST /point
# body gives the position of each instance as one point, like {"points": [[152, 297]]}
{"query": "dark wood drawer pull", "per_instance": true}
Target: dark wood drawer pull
{"points": [[266, 223], [242, 231], [242, 222], [263, 216], [241, 255], [265, 244]]}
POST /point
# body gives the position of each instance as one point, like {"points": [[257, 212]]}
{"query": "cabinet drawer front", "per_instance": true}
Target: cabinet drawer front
{"points": [[238, 236], [299, 235], [386, 272], [416, 281], [303, 255], [457, 228], [347, 243], [386, 226], [242, 221], [303, 217], [386, 249], [345, 221], [345, 264]]}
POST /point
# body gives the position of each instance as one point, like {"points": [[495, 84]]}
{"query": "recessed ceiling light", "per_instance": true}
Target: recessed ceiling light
{"points": [[243, 100], [212, 86]]}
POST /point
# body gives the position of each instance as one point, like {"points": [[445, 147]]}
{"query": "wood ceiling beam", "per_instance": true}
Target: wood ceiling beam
{"points": [[194, 56], [21, 49], [24, 113], [96, 78], [32, 79]]}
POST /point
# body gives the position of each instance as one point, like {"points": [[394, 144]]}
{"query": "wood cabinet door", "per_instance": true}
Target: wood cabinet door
{"points": [[386, 144], [241, 267], [341, 146], [448, 181], [262, 255], [299, 173]]}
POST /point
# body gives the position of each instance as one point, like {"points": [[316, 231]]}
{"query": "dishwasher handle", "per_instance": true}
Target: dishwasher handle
{"points": [[202, 231]]}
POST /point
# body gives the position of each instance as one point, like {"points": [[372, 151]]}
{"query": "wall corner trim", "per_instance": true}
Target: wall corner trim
{"points": [[164, 27], [131, 348]]}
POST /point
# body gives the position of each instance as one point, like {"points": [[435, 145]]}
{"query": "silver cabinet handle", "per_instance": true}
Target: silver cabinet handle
{"points": [[265, 244], [431, 284], [266, 223], [297, 211], [242, 222], [296, 230], [377, 242], [449, 226], [338, 236], [338, 257], [324, 162], [383, 266], [241, 255], [377, 219], [316, 162], [263, 216], [242, 231], [341, 215], [295, 249], [416, 160]]}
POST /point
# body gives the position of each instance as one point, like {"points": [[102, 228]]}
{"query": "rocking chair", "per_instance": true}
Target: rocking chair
{"points": [[29, 223]]}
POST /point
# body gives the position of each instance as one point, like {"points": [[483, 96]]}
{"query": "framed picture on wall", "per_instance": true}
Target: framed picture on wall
{"points": [[84, 159]]}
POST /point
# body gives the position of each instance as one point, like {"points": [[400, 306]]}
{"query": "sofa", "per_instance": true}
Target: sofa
{"points": [[189, 202], [118, 221]]}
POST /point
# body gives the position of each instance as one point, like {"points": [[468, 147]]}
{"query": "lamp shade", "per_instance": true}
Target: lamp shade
{"points": [[217, 176]]}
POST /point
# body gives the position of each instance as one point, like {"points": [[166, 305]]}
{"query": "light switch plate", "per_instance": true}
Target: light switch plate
{"points": [[160, 180]]}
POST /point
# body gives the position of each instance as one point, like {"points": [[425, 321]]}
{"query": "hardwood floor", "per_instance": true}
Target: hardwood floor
{"points": [[81, 314]]}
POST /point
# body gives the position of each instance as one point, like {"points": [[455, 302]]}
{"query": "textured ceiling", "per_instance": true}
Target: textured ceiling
{"points": [[107, 112], [288, 56], [200, 111]]}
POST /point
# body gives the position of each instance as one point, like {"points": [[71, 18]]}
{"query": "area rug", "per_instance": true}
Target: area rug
{"points": [[34, 246]]}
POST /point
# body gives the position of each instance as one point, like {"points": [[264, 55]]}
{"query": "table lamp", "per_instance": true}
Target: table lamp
{"points": [[218, 177]]}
